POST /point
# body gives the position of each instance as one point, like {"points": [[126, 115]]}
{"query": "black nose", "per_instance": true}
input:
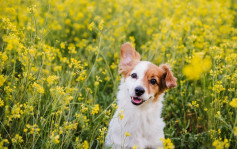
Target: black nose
{"points": [[139, 91]]}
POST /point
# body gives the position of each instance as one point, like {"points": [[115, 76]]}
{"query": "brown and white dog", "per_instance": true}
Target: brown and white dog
{"points": [[140, 99]]}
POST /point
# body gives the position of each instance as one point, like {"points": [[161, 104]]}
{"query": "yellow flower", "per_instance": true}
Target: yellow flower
{"points": [[98, 80], [1, 102], [233, 103], [121, 115], [68, 21], [91, 26], [17, 139], [25, 130], [113, 66], [16, 111], [85, 145], [219, 144], [95, 109], [101, 25], [38, 88], [62, 45], [83, 108], [235, 131], [197, 67], [72, 49], [2, 80], [135, 146], [51, 79], [127, 134], [167, 143], [55, 138], [96, 83], [102, 133], [3, 56], [2, 142]]}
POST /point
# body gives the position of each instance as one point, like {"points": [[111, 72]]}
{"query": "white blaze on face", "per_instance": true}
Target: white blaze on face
{"points": [[131, 83]]}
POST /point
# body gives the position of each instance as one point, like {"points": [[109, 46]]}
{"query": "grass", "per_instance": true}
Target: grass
{"points": [[59, 77]]}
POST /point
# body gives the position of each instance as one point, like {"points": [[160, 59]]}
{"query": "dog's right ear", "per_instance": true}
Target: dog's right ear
{"points": [[129, 57]]}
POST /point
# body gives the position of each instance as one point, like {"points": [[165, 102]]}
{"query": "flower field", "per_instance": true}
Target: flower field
{"points": [[59, 69]]}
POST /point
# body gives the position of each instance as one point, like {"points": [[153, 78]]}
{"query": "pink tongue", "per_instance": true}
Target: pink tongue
{"points": [[136, 100]]}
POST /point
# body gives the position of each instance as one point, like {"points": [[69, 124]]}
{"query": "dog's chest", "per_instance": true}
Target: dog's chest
{"points": [[141, 123], [145, 128]]}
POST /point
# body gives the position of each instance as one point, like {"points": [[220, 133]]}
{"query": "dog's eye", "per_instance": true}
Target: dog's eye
{"points": [[134, 75], [153, 81]]}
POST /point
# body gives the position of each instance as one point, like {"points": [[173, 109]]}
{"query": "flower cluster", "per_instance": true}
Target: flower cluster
{"points": [[167, 143], [197, 66], [219, 144]]}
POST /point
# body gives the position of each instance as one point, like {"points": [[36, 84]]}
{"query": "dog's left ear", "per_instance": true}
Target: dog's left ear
{"points": [[129, 57], [168, 77]]}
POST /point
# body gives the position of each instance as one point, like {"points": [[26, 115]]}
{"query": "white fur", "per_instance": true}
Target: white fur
{"points": [[143, 122]]}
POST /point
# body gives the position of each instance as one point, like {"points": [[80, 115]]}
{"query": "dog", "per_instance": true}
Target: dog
{"points": [[137, 120]]}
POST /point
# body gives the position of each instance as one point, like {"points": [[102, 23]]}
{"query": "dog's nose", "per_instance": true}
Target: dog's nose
{"points": [[139, 90]]}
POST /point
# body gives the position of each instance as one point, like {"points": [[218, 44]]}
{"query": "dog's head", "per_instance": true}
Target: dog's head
{"points": [[143, 80]]}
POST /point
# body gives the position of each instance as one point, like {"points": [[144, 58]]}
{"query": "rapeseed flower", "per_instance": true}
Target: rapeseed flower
{"points": [[2, 80], [197, 66], [33, 129], [127, 134], [95, 109], [167, 144], [62, 45], [135, 146], [219, 144], [16, 111], [38, 88], [3, 142], [3, 57], [84, 109], [17, 139], [55, 138], [101, 24], [233, 103], [52, 79], [235, 131], [85, 145], [121, 115], [102, 134], [91, 26], [1, 102]]}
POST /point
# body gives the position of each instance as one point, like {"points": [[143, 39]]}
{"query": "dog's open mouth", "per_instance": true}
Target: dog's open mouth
{"points": [[136, 100]]}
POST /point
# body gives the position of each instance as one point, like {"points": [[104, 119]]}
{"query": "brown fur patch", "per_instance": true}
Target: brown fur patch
{"points": [[163, 76], [129, 58], [153, 72], [170, 80]]}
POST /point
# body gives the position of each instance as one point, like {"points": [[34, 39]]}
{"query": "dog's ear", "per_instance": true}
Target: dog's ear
{"points": [[129, 57], [168, 77]]}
